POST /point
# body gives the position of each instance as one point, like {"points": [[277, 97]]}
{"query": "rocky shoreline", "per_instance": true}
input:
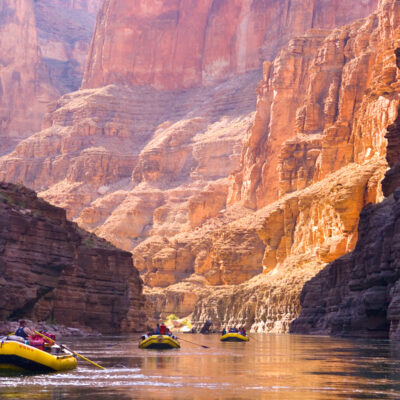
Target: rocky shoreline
{"points": [[7, 327]]}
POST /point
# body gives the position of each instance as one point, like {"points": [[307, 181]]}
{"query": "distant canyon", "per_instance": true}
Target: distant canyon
{"points": [[229, 145]]}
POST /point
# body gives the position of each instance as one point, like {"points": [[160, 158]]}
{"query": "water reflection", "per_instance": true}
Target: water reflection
{"points": [[267, 367]]}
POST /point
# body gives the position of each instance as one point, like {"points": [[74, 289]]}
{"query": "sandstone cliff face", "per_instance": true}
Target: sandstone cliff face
{"points": [[24, 81], [331, 118], [53, 270], [126, 162], [154, 179], [192, 43], [357, 295], [360, 290], [64, 45], [40, 60]]}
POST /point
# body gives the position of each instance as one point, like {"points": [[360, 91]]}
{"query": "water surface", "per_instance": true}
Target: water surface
{"points": [[268, 367]]}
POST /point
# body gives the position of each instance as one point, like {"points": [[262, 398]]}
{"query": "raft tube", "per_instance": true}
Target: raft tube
{"points": [[159, 342], [234, 337], [20, 357]]}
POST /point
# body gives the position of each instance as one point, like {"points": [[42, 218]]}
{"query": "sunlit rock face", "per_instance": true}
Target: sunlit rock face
{"points": [[358, 294], [151, 170], [131, 163], [53, 270], [314, 112], [181, 44], [320, 127]]}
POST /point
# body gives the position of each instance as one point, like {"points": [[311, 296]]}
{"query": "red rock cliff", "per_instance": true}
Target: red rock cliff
{"points": [[40, 60], [147, 168], [180, 44], [51, 269], [24, 79]]}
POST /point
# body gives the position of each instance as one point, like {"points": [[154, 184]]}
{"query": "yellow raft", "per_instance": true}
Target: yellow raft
{"points": [[20, 357], [234, 337], [159, 342]]}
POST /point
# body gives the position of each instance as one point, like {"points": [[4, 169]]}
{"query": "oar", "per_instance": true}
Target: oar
{"points": [[206, 347], [73, 352]]}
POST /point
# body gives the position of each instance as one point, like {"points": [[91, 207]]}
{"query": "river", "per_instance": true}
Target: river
{"points": [[270, 366]]}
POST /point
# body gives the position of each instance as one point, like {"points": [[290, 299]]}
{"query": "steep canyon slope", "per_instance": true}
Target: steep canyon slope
{"points": [[332, 144], [39, 60], [358, 294], [143, 154], [53, 270]]}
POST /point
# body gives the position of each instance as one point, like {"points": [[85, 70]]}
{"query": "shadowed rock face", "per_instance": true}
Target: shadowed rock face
{"points": [[181, 44], [40, 59], [53, 270], [24, 80], [148, 169], [64, 45], [358, 294]]}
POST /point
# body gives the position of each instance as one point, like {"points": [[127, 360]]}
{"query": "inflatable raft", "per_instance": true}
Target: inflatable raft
{"points": [[159, 342], [234, 337], [20, 357]]}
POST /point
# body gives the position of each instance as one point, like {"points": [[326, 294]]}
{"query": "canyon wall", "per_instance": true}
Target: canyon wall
{"points": [[53, 270], [343, 106], [181, 44], [64, 45], [357, 294], [150, 169], [39, 60], [25, 86]]}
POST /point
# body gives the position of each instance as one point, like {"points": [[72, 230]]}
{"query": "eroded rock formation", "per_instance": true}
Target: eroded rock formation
{"points": [[43, 48], [25, 87], [53, 270], [64, 45], [181, 44], [357, 294], [148, 168]]}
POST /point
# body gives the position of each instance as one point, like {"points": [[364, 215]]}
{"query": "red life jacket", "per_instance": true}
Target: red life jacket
{"points": [[163, 329]]}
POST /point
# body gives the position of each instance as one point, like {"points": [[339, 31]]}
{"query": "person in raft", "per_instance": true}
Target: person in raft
{"points": [[223, 332], [23, 331], [243, 331], [163, 329]]}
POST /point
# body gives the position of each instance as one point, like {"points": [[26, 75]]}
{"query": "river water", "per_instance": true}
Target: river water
{"points": [[268, 367]]}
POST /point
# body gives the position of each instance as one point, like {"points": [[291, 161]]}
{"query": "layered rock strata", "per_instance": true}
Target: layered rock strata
{"points": [[181, 44], [53, 270], [313, 157], [64, 45], [25, 86], [132, 162], [358, 295], [40, 60]]}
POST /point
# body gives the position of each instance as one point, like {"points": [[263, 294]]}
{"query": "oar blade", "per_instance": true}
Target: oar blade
{"points": [[71, 351]]}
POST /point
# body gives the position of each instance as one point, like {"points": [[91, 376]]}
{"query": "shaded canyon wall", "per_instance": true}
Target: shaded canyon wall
{"points": [[53, 270], [149, 169], [40, 60], [358, 295]]}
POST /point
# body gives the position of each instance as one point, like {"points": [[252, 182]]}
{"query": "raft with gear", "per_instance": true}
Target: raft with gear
{"points": [[234, 337], [160, 342], [17, 356]]}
